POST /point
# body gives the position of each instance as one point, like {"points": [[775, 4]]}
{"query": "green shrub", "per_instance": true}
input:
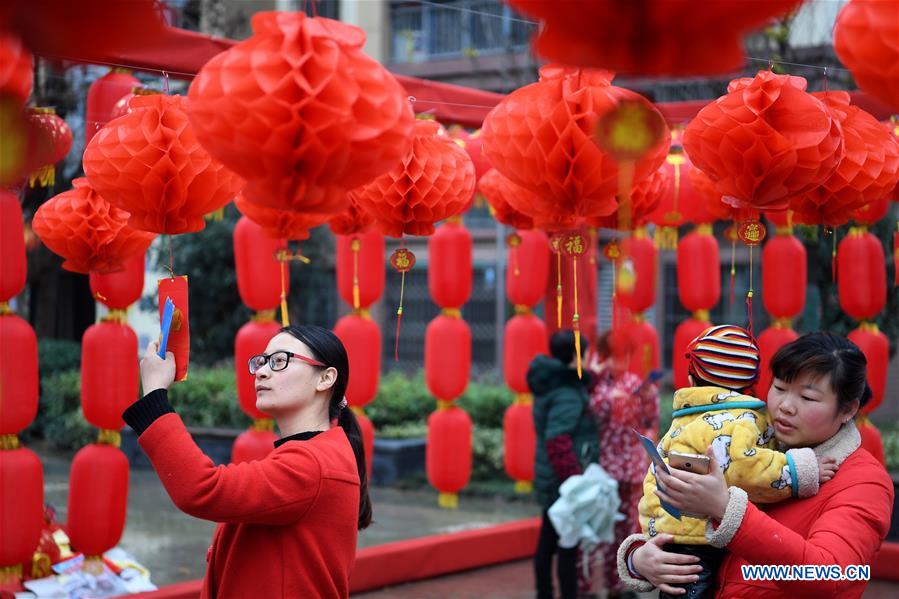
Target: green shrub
{"points": [[889, 432], [58, 355], [487, 454], [59, 418]]}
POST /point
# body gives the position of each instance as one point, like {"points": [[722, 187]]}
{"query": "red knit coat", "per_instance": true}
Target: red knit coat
{"points": [[843, 524], [288, 522]]}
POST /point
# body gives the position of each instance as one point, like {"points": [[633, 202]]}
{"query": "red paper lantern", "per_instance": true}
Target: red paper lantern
{"points": [[644, 342], [109, 376], [18, 374], [303, 136], [861, 275], [519, 443], [679, 37], [765, 141], [447, 356], [474, 148], [698, 270], [872, 442], [498, 191], [86, 230], [351, 221], [448, 453], [541, 136], [16, 68], [876, 348], [525, 337], [645, 199], [641, 253], [867, 173], [252, 445], [784, 276], [103, 96], [21, 505], [771, 340], [368, 267], [50, 139], [251, 340], [526, 278], [871, 213], [279, 224], [98, 498], [258, 270], [362, 339], [686, 332], [433, 182], [864, 37], [711, 205], [12, 246], [150, 164], [449, 265], [118, 290]]}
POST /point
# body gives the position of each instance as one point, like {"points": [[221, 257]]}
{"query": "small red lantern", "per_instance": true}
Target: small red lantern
{"points": [[21, 506], [448, 453], [91, 233], [50, 141], [301, 136], [362, 339], [765, 141], [519, 444], [98, 498], [449, 265], [103, 96], [16, 68], [150, 164], [698, 270], [644, 342], [861, 275], [12, 246], [360, 268], [784, 276], [686, 332], [876, 348], [864, 37], [251, 340], [434, 181], [447, 356], [525, 337], [18, 374], [109, 376], [640, 251], [258, 270], [252, 445], [118, 290], [527, 286], [771, 340]]}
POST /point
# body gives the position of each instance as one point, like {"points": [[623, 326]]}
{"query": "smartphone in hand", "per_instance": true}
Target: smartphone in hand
{"points": [[691, 462]]}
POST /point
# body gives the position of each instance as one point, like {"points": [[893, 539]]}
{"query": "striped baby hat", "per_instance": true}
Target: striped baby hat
{"points": [[726, 356]]}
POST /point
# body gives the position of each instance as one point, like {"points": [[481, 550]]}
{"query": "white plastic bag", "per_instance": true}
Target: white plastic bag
{"points": [[587, 509]]}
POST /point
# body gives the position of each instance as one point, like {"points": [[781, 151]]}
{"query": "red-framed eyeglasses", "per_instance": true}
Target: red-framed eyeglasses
{"points": [[278, 361]]}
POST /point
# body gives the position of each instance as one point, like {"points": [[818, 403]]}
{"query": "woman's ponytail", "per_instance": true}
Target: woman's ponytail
{"points": [[347, 421]]}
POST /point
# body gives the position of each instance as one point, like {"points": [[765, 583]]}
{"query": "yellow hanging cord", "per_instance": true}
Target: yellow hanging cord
{"points": [[354, 246], [285, 317], [559, 290], [575, 321]]}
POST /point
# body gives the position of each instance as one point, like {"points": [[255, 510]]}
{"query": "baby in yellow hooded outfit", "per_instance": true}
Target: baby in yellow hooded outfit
{"points": [[713, 413]]}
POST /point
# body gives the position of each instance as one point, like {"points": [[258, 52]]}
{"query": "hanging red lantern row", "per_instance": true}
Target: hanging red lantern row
{"points": [[524, 337], [89, 232], [864, 37], [301, 137], [699, 289], [103, 97], [765, 141], [639, 263], [673, 209], [671, 38], [16, 68], [861, 285], [150, 164], [448, 360], [360, 282], [562, 164]]}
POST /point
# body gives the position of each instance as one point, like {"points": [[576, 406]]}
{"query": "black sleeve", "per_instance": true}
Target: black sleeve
{"points": [[142, 413]]}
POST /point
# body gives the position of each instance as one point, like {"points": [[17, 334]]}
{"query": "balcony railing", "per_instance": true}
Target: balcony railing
{"points": [[455, 29]]}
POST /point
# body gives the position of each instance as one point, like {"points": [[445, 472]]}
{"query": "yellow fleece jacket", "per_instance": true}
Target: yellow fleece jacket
{"points": [[742, 438]]}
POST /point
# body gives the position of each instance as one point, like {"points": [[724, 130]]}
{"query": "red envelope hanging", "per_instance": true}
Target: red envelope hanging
{"points": [[179, 334]]}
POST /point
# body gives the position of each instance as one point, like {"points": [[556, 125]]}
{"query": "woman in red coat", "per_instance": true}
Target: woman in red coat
{"points": [[288, 522], [819, 385]]}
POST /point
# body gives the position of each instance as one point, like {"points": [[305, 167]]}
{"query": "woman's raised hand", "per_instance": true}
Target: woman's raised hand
{"points": [[156, 373], [662, 568], [704, 494]]}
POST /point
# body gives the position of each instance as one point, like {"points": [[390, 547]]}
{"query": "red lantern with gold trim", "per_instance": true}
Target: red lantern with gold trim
{"points": [[18, 374], [771, 340], [12, 246], [118, 290], [251, 340], [109, 373], [699, 270], [98, 498], [861, 274], [21, 507], [447, 356], [876, 347], [644, 342], [519, 443], [258, 270], [784, 275], [639, 295], [864, 37], [449, 265], [50, 139], [525, 337], [448, 453], [531, 259], [364, 264], [361, 337], [102, 97]]}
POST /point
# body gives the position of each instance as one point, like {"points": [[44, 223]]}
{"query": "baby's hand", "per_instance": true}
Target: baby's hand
{"points": [[827, 467]]}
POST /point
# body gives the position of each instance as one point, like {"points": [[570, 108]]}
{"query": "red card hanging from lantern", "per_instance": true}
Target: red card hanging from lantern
{"points": [[175, 287], [542, 137], [150, 164], [86, 230], [864, 37], [868, 172], [434, 181], [104, 97], [765, 141], [12, 246], [301, 136], [670, 38], [16, 67]]}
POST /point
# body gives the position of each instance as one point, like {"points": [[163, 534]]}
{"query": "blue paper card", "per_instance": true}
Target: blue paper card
{"points": [[650, 448], [166, 325]]}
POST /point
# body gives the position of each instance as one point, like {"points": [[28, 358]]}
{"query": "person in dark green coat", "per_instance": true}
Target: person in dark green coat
{"points": [[567, 441]]}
